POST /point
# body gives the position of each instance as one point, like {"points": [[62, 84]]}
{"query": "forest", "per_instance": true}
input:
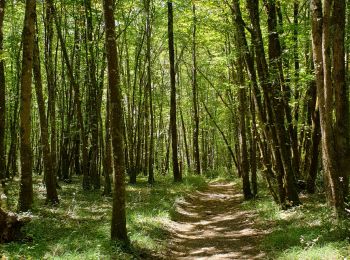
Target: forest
{"points": [[173, 129]]}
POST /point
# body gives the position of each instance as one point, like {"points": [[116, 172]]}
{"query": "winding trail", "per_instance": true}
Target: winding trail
{"points": [[210, 224]]}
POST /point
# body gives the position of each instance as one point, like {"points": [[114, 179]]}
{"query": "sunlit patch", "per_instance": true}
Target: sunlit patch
{"points": [[210, 225]]}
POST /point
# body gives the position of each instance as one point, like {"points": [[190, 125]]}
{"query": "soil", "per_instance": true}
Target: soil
{"points": [[211, 224]]}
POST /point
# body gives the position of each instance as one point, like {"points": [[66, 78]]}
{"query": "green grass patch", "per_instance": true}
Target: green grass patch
{"points": [[309, 231], [79, 227]]}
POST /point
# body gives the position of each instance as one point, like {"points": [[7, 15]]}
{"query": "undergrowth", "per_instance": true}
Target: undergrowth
{"points": [[79, 227], [309, 231]]}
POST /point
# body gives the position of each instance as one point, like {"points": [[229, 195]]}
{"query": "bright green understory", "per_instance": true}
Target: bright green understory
{"points": [[307, 232], [79, 228]]}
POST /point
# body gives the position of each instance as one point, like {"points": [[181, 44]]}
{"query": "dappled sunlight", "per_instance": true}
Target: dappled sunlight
{"points": [[209, 225], [79, 227]]}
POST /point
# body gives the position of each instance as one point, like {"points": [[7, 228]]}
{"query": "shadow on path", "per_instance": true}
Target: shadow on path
{"points": [[210, 224]]}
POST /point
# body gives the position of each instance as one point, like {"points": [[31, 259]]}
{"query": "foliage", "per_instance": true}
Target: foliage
{"points": [[309, 231], [79, 228]]}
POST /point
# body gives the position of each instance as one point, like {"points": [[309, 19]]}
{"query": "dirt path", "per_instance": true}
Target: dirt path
{"points": [[209, 224]]}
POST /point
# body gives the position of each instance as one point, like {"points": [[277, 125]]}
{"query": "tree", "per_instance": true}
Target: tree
{"points": [[51, 86], [330, 80], [26, 184], [173, 128], [50, 177], [118, 228], [242, 135], [2, 97], [93, 102], [149, 103], [195, 94]]}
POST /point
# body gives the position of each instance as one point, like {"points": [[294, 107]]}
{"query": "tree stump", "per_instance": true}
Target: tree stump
{"points": [[10, 226]]}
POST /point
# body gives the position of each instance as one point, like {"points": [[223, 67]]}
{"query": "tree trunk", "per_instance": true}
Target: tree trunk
{"points": [[150, 116], [84, 148], [2, 96], [342, 124], [321, 42], [273, 99], [108, 163], [253, 150], [26, 184], [242, 135], [176, 170], [188, 160], [118, 228], [195, 94], [50, 178], [93, 100]]}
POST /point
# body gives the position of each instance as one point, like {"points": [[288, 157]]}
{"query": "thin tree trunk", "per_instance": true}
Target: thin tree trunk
{"points": [[253, 148], [174, 145], [2, 96], [188, 160], [195, 94], [93, 100], [150, 117], [235, 160], [242, 136], [273, 102], [50, 178], [86, 177], [51, 84], [108, 163]]}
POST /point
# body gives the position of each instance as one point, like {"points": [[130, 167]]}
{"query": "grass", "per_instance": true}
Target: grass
{"points": [[309, 231], [79, 228]]}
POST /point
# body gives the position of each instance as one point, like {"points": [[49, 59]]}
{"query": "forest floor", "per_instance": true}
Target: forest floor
{"points": [[201, 218], [210, 224]]}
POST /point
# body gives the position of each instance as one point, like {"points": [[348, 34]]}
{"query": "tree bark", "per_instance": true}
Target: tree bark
{"points": [[51, 84], [108, 163], [150, 116], [242, 134], [50, 178], [321, 43], [195, 94], [173, 127], [26, 183], [342, 124], [2, 96], [118, 228], [93, 100], [84, 148]]}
